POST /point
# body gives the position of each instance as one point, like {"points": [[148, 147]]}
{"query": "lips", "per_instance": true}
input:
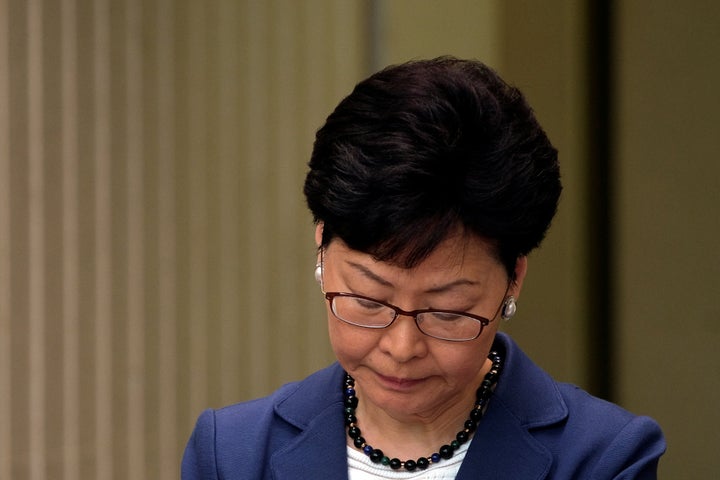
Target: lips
{"points": [[400, 384]]}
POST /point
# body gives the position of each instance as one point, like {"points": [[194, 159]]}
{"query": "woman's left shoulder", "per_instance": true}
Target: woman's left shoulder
{"points": [[605, 418], [584, 436], [586, 407], [607, 437]]}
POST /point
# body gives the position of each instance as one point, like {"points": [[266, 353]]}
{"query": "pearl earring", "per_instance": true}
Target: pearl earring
{"points": [[509, 308], [318, 274]]}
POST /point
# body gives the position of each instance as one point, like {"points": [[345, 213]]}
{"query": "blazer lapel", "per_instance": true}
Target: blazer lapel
{"points": [[526, 399], [317, 453], [503, 449], [319, 450]]}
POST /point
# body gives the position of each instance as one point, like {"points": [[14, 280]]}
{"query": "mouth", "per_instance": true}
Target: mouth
{"points": [[400, 384]]}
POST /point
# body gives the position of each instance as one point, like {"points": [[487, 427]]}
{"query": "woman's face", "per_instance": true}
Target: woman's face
{"points": [[406, 374]]}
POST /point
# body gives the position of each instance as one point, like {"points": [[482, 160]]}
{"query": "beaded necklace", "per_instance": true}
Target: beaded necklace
{"points": [[483, 394]]}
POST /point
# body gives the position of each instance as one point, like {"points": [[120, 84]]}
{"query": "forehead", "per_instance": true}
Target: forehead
{"points": [[457, 255]]}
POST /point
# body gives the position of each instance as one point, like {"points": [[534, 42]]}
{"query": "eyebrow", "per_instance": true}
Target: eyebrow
{"points": [[455, 283], [439, 289], [370, 274]]}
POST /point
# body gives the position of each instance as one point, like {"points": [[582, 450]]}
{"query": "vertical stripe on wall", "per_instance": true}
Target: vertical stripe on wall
{"points": [[103, 280], [161, 134], [257, 125], [135, 353], [227, 67], [36, 237], [195, 162], [5, 247], [71, 450]]}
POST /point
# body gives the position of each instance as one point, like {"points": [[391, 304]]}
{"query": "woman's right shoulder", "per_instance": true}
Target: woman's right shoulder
{"points": [[254, 418], [255, 409], [252, 429]]}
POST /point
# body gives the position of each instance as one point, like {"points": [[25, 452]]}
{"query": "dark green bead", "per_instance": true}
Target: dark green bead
{"points": [[385, 461], [455, 444]]}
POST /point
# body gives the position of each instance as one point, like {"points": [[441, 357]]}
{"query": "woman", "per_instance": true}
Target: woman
{"points": [[429, 184]]}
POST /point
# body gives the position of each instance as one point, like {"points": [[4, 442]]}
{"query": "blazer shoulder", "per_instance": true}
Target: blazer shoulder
{"points": [[585, 410], [606, 440], [224, 439], [303, 395], [585, 436]]}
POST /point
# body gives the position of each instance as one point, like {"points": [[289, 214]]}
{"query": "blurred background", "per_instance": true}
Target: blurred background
{"points": [[156, 256]]}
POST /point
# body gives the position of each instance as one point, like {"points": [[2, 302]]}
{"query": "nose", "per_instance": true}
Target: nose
{"points": [[403, 340]]}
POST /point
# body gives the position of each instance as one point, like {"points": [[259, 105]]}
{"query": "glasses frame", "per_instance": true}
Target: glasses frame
{"points": [[484, 322]]}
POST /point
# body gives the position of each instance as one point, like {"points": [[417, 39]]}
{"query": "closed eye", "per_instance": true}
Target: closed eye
{"points": [[446, 316], [367, 304]]}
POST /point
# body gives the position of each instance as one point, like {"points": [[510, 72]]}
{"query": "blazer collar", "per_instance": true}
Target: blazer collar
{"points": [[526, 398]]}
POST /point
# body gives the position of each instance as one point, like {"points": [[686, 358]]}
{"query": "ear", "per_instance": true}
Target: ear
{"points": [[318, 234], [521, 265]]}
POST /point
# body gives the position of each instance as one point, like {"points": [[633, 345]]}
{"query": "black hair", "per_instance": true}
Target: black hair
{"points": [[422, 149]]}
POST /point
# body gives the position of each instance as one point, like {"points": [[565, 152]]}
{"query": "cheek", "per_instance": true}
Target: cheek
{"points": [[350, 344], [465, 363], [460, 365]]}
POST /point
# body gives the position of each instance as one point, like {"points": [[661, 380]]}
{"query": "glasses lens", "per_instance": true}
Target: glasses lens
{"points": [[362, 311], [449, 326]]}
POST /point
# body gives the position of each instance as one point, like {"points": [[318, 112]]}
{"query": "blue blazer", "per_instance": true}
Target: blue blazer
{"points": [[534, 428]]}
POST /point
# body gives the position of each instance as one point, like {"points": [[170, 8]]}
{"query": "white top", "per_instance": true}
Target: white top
{"points": [[362, 468]]}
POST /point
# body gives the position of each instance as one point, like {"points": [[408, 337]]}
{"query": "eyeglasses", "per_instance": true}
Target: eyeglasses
{"points": [[367, 312]]}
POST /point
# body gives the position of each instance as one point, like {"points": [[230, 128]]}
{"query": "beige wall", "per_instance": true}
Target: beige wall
{"points": [[668, 264], [156, 257], [542, 53]]}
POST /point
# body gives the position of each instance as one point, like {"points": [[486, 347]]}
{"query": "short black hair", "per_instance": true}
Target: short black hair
{"points": [[422, 149]]}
